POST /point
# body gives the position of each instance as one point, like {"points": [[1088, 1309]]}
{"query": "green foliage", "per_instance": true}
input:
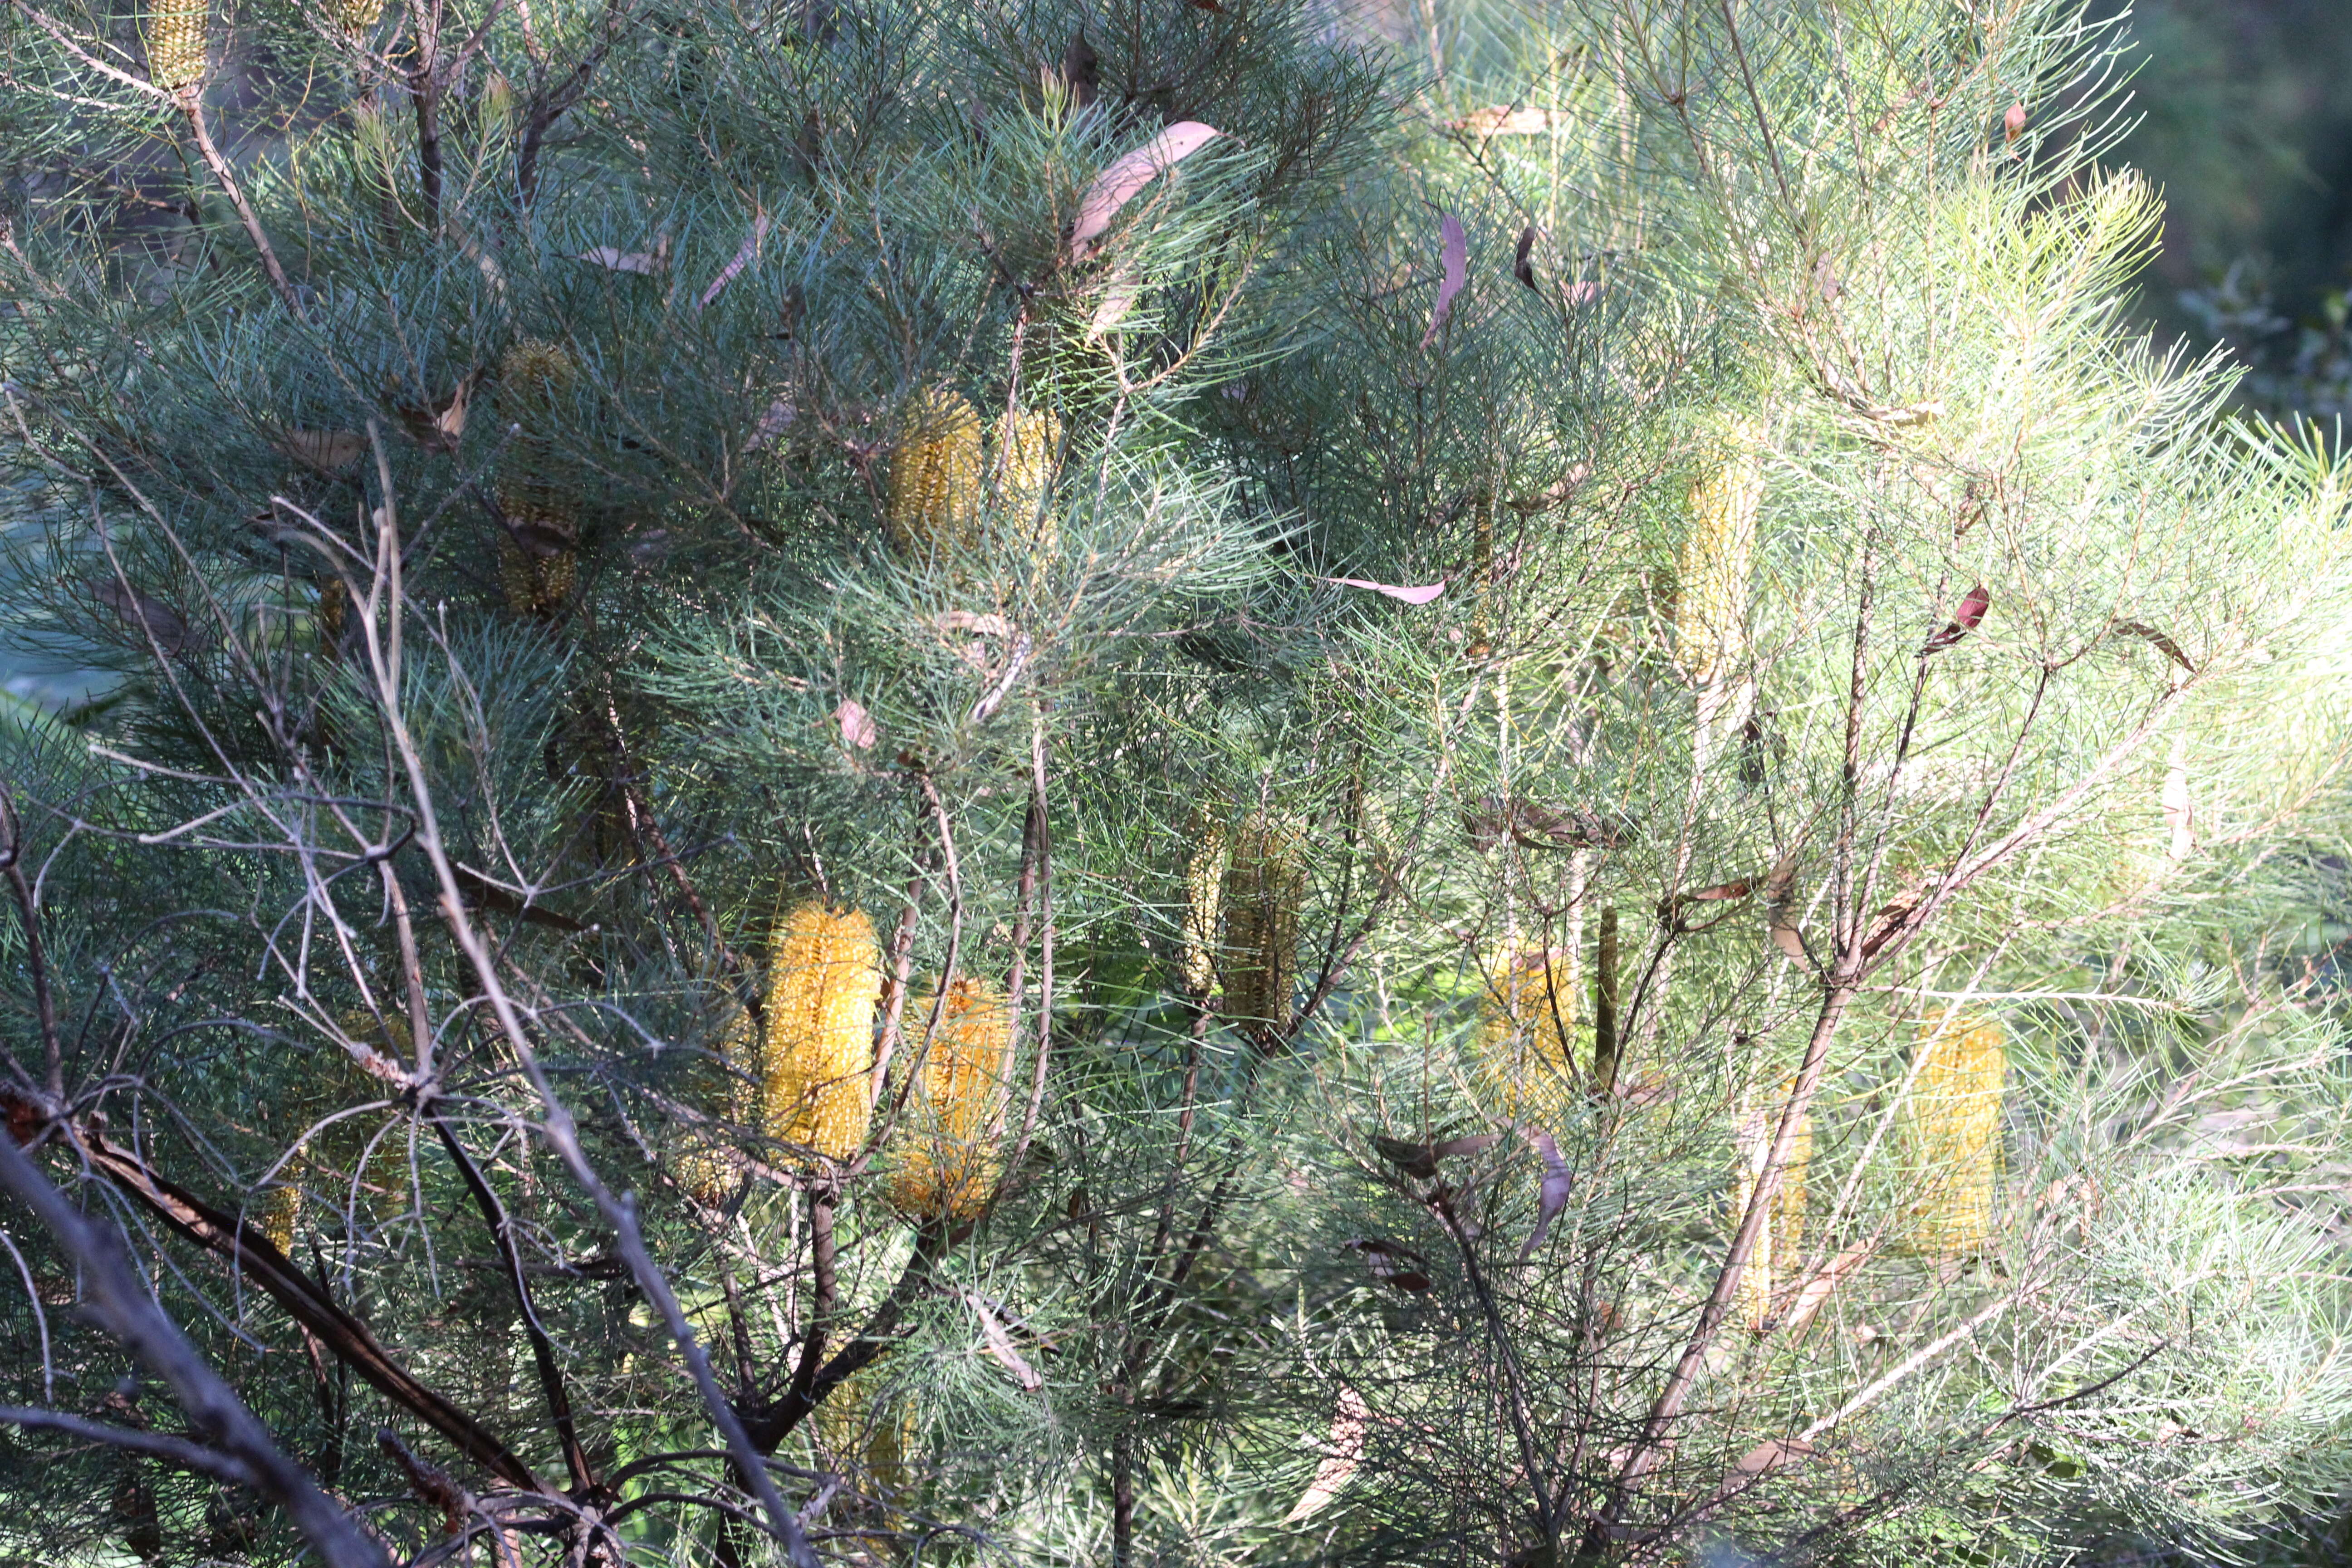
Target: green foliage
{"points": [[1677, 472]]}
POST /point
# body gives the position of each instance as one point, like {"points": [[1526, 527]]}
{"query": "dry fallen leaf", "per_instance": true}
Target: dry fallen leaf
{"points": [[1350, 1422], [857, 724], [1406, 593], [1128, 173], [999, 1344], [325, 451], [2156, 640], [1506, 122], [617, 260], [1453, 257], [1557, 1181]]}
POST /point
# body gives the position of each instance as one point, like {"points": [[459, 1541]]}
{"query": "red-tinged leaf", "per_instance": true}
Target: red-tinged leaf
{"points": [[1412, 1284], [2156, 640], [1453, 256], [2013, 123], [1477, 1143], [858, 727], [1128, 173], [1559, 1181], [1208, 5], [1405, 594], [1973, 606]]}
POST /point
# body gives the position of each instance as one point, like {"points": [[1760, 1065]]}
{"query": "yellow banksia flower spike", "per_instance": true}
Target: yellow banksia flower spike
{"points": [[824, 982], [869, 1432], [1778, 1244], [1257, 964], [1789, 1209], [1204, 898], [956, 1112], [934, 492], [174, 31], [1526, 1025], [357, 16], [1717, 561], [710, 1167], [279, 1215], [1953, 1125], [538, 549], [1028, 445]]}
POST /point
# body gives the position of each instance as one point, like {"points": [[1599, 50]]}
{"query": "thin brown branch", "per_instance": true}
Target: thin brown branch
{"points": [[542, 1349], [119, 1299]]}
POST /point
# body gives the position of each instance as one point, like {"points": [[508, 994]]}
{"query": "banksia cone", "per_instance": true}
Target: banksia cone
{"points": [[824, 981], [1524, 1052], [868, 1432], [538, 549], [1204, 896], [709, 1166], [1953, 1119], [1258, 962], [935, 476], [957, 1110], [175, 30], [279, 1214], [1028, 444], [1717, 560], [1777, 1244]]}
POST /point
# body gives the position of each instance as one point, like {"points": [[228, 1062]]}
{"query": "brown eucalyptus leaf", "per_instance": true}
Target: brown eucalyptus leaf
{"points": [[999, 1344], [1128, 175], [328, 451], [1454, 258], [2156, 640], [1415, 594], [1350, 1422]]}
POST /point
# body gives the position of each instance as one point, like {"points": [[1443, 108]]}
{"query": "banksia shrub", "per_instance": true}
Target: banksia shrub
{"points": [[174, 31], [539, 547], [824, 981], [1953, 1127], [956, 1108], [934, 489], [1257, 964], [1526, 1059], [1717, 559]]}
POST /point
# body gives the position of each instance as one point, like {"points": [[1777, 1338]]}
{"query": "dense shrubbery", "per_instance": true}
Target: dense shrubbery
{"points": [[1169, 782]]}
